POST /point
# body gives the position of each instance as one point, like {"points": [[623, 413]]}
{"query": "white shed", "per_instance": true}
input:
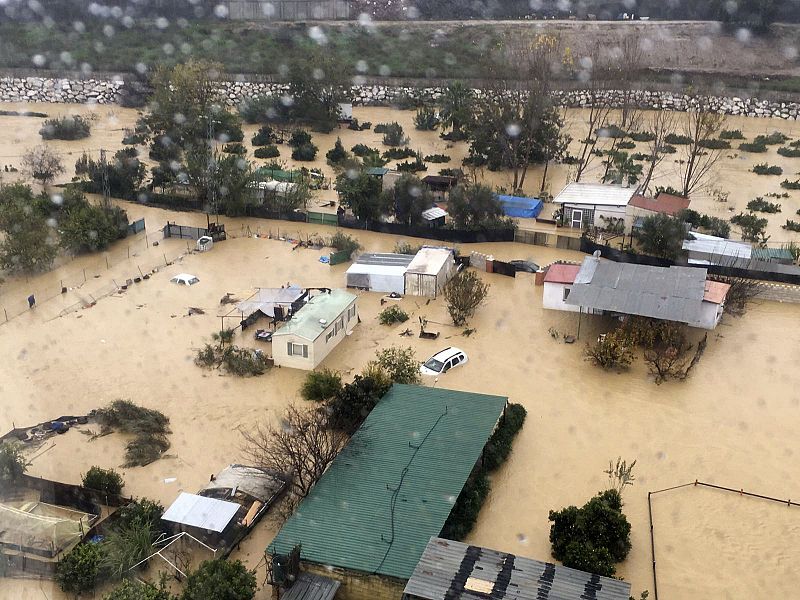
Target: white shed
{"points": [[430, 269], [587, 204], [379, 272]]}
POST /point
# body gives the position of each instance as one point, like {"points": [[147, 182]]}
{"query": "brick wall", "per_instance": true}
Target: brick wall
{"points": [[359, 586]]}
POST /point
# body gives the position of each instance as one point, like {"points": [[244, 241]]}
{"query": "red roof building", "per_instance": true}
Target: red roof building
{"points": [[665, 204], [560, 273]]}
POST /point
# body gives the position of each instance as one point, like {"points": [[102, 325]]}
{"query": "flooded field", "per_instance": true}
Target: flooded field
{"points": [[733, 422]]}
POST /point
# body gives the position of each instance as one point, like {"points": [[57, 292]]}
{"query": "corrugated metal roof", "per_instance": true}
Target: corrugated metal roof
{"points": [[716, 246], [434, 213], [311, 587], [259, 483], [670, 294], [772, 254], [385, 259], [429, 260], [379, 171], [594, 194], [202, 512], [395, 483], [560, 273], [265, 300], [306, 321], [446, 566]]}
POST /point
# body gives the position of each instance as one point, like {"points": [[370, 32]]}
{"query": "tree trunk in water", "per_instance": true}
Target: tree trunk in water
{"points": [[544, 176]]}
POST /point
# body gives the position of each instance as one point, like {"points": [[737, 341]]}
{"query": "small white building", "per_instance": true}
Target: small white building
{"points": [[703, 249], [557, 284], [270, 189], [592, 204], [378, 272], [315, 330], [429, 271]]}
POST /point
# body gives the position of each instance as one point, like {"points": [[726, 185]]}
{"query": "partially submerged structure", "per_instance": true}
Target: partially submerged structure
{"points": [[593, 204], [368, 519], [379, 272], [520, 207], [274, 303], [558, 282], [640, 207], [429, 271], [679, 294], [315, 330], [451, 570], [704, 249], [223, 512], [440, 186]]}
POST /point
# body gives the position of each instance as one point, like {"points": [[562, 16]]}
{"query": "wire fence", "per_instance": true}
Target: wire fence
{"points": [[87, 284]]}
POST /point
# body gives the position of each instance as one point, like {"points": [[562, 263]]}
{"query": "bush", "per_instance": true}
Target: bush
{"points": [[614, 350], [220, 579], [791, 225], [320, 386], [66, 128], [337, 154], [235, 148], [766, 169], [348, 409], [642, 136], [12, 463], [265, 136], [77, 572], [149, 426], [426, 119], [464, 293], [499, 446], [406, 248], [400, 364], [267, 152], [624, 145], [468, 505], [131, 589], [414, 166], [731, 134], [789, 152], [299, 138], [718, 227], [677, 140], [594, 537], [761, 205], [393, 135], [391, 315], [662, 236], [668, 149], [399, 153], [773, 139], [753, 227], [714, 144], [126, 545], [611, 131], [362, 150], [258, 109], [305, 152], [790, 185], [103, 480], [756, 147], [437, 158], [341, 241]]}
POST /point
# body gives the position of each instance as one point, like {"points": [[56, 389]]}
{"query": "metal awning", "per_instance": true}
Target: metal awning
{"points": [[202, 512], [311, 587]]}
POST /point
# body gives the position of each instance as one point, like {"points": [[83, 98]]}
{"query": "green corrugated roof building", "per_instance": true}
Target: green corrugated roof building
{"points": [[394, 485], [773, 255], [306, 321]]}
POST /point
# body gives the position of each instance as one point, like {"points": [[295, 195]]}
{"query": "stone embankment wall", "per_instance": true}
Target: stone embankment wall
{"points": [[40, 89]]}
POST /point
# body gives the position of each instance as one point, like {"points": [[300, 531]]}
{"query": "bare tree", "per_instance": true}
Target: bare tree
{"points": [[620, 474], [628, 59], [42, 163], [660, 123], [701, 126], [301, 447], [599, 109]]}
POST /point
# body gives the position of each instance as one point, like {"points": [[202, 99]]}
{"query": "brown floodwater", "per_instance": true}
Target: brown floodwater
{"points": [[734, 422]]}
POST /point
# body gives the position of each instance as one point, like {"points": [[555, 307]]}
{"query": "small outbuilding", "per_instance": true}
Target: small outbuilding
{"points": [[592, 204], [315, 330], [440, 185], [379, 272], [557, 285], [523, 208], [704, 249], [434, 217], [429, 271]]}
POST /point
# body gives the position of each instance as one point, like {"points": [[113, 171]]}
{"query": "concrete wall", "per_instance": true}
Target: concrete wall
{"points": [[359, 586], [287, 10], [553, 297], [711, 314]]}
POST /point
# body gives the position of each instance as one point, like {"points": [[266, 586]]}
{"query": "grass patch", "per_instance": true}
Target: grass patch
{"points": [[150, 428]]}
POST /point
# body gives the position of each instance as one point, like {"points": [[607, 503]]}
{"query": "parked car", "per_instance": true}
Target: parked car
{"points": [[443, 361], [185, 279], [525, 266]]}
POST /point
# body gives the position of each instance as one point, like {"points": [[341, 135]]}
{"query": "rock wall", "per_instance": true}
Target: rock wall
{"points": [[40, 89]]}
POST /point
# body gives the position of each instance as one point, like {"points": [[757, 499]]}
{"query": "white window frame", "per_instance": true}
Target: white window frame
{"points": [[296, 349]]}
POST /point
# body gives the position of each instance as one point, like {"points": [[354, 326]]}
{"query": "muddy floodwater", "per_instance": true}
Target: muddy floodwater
{"points": [[734, 422]]}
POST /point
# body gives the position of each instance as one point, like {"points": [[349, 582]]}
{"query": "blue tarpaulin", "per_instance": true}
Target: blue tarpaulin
{"points": [[517, 206]]}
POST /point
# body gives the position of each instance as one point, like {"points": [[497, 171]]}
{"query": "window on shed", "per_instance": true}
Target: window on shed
{"points": [[566, 293], [298, 349]]}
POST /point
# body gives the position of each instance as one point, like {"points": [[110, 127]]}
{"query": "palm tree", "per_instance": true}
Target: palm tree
{"points": [[456, 107]]}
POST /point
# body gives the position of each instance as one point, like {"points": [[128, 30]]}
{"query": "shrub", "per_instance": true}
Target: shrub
{"points": [[258, 109], [299, 138], [755, 146], [761, 205], [790, 185], [625, 145], [267, 152], [405, 248], [126, 545], [457, 173], [437, 158], [789, 152], [140, 512], [393, 135], [149, 426], [668, 149], [499, 446], [773, 139], [467, 507], [305, 152], [400, 364], [342, 241], [103, 480], [391, 315], [426, 119], [12, 462], [642, 136], [220, 579], [265, 136], [414, 166], [731, 134], [677, 140], [753, 227], [337, 154], [77, 572], [399, 153], [131, 589], [791, 225], [66, 128], [348, 409], [594, 537], [718, 227], [320, 386], [464, 293], [766, 169], [714, 144], [235, 148], [614, 350], [362, 150], [611, 131]]}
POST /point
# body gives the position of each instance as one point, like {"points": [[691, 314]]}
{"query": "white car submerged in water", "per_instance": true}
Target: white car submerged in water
{"points": [[443, 361]]}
